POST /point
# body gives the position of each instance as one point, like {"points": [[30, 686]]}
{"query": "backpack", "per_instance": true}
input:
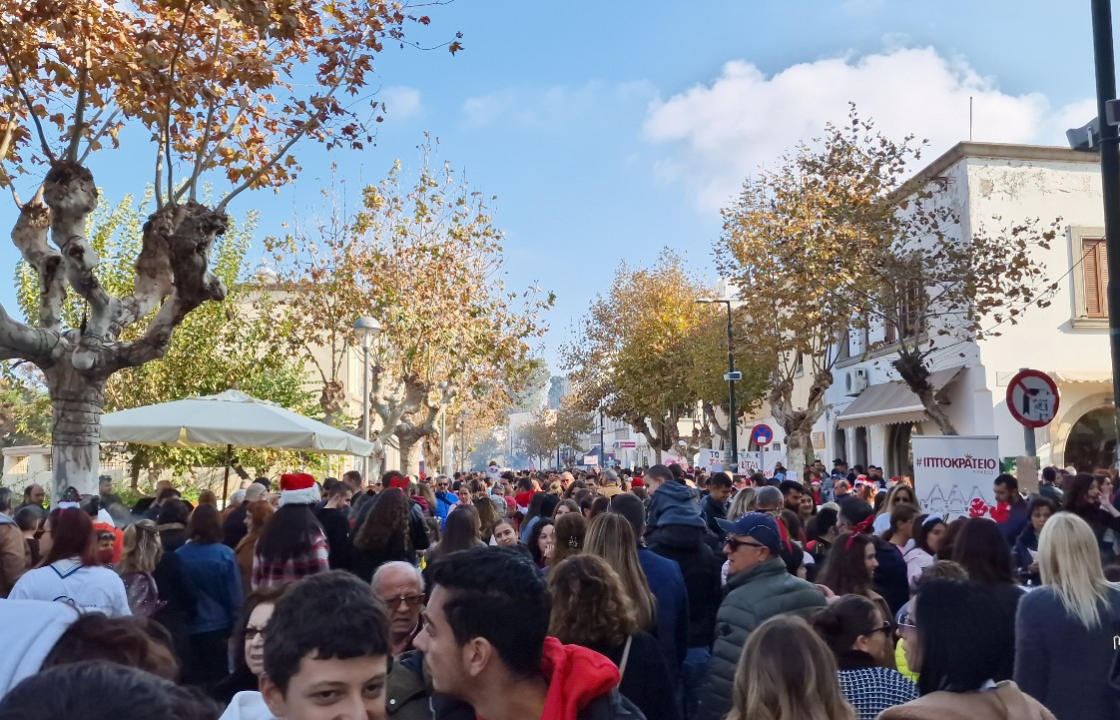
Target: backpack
{"points": [[143, 595]]}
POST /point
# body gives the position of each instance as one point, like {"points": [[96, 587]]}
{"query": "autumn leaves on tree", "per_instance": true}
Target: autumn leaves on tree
{"points": [[425, 258], [832, 239], [224, 89]]}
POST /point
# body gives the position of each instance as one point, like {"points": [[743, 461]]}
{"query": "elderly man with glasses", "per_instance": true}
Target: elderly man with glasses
{"points": [[401, 587], [758, 587]]}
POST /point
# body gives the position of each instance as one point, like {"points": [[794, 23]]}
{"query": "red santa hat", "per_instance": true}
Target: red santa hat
{"points": [[298, 489]]}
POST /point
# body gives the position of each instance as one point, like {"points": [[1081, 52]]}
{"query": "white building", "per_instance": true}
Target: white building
{"points": [[871, 416]]}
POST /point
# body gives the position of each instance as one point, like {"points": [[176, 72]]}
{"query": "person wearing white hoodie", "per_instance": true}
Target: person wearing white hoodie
{"points": [[31, 629]]}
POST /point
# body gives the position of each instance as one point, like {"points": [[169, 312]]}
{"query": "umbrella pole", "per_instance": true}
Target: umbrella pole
{"points": [[225, 480]]}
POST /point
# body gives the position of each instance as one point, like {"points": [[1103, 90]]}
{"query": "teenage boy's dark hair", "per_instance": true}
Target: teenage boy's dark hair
{"points": [[1039, 501], [102, 691], [356, 625], [788, 486], [496, 594], [720, 479]]}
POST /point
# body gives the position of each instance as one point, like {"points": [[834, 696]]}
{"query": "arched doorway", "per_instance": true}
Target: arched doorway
{"points": [[1092, 441], [900, 453], [861, 446], [840, 445]]}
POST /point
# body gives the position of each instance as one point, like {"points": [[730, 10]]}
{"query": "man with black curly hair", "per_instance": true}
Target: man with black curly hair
{"points": [[485, 642]]}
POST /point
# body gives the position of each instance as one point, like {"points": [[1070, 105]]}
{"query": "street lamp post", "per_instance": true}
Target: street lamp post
{"points": [[463, 442], [369, 328], [602, 450], [731, 377]]}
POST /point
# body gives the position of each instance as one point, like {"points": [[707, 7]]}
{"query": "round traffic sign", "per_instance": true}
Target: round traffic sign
{"points": [[1032, 398], [762, 435]]}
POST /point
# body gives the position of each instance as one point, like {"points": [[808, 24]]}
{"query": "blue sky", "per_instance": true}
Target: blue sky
{"points": [[611, 130]]}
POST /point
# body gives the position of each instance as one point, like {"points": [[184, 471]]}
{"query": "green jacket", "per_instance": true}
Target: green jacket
{"points": [[406, 693], [752, 597]]}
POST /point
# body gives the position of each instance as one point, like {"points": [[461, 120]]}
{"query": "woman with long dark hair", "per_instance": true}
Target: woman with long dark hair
{"points": [[212, 569], [860, 637], [1083, 497], [384, 535], [570, 531], [460, 532], [70, 571], [956, 639], [850, 569], [257, 518], [248, 643], [542, 542], [928, 531], [901, 529], [293, 544]]}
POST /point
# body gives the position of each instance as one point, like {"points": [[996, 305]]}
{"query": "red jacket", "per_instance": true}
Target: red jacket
{"points": [[576, 676]]}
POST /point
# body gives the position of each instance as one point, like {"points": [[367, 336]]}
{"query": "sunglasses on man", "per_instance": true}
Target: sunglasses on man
{"points": [[736, 544]]}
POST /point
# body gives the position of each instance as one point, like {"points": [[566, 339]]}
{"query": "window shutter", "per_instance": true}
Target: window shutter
{"points": [[1095, 272]]}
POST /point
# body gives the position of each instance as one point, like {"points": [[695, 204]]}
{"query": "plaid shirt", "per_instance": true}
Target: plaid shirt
{"points": [[271, 574]]}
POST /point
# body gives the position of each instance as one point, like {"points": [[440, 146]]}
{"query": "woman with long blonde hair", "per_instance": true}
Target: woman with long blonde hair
{"points": [[610, 536], [1064, 630], [741, 504], [786, 672]]}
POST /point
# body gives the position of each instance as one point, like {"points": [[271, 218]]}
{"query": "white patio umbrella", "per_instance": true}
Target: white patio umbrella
{"points": [[230, 419]]}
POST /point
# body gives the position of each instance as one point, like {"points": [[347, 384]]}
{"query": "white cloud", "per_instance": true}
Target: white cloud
{"points": [[716, 133], [401, 102]]}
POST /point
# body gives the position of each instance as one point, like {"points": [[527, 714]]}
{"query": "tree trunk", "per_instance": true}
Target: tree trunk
{"points": [[410, 453], [914, 373], [799, 448], [76, 402]]}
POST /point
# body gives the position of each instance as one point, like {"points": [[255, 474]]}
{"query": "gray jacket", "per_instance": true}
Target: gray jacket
{"points": [[752, 597]]}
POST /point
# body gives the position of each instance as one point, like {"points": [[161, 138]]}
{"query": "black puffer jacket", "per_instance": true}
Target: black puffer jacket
{"points": [[701, 570]]}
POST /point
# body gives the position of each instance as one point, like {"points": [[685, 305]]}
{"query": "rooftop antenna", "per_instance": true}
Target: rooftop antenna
{"points": [[970, 118]]}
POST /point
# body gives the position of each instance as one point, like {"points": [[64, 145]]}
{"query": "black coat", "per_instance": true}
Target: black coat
{"points": [[180, 598], [646, 682], [233, 527], [701, 570], [337, 529], [890, 579]]}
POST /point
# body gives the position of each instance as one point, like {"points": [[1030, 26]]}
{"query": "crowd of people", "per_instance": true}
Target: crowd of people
{"points": [[661, 594]]}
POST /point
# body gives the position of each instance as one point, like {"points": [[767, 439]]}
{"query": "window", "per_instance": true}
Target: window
{"points": [[910, 310], [1088, 260], [1094, 274]]}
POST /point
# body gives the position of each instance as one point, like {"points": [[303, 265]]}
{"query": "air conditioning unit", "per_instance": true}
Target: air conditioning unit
{"points": [[855, 381]]}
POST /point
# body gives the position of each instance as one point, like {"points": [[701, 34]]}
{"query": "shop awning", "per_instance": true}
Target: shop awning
{"points": [[892, 403]]}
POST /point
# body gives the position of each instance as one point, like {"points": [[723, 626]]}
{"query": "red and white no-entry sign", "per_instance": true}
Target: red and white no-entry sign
{"points": [[1032, 398]]}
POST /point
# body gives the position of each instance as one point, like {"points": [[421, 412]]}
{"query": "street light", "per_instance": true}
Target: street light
{"points": [[369, 328], [443, 427], [730, 377]]}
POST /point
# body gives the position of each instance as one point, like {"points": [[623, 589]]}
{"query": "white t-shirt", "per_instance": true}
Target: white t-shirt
{"points": [[89, 588]]}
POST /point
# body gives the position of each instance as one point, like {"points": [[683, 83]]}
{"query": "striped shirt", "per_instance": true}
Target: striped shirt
{"points": [[267, 573]]}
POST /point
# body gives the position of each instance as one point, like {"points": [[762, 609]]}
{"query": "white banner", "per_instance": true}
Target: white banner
{"points": [[711, 459], [953, 474], [590, 459], [750, 462]]}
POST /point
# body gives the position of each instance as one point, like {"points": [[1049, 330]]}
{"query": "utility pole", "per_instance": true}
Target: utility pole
{"points": [[1105, 63], [732, 462], [602, 450]]}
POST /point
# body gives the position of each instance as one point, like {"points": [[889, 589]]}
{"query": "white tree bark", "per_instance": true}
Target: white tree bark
{"points": [[172, 273]]}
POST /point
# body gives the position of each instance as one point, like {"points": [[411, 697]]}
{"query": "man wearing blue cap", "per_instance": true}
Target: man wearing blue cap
{"points": [[758, 587]]}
